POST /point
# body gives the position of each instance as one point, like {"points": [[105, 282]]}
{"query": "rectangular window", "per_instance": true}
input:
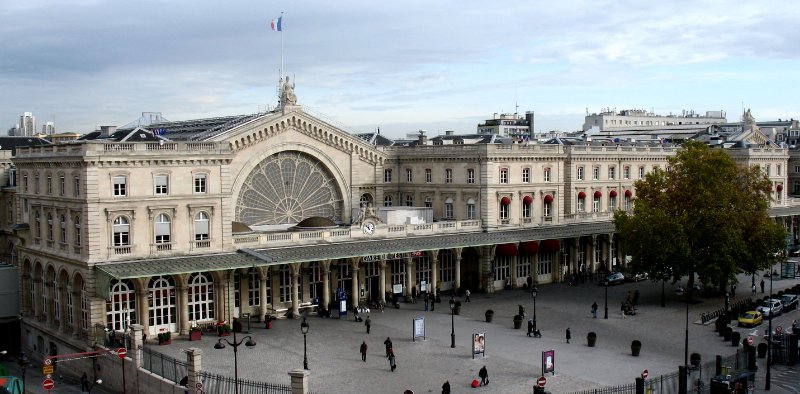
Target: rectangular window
{"points": [[470, 175], [580, 173], [162, 184], [36, 184], [612, 172], [448, 176], [409, 200], [768, 170], [546, 209], [504, 175], [120, 185], [253, 290], [200, 183], [641, 172], [526, 175], [596, 173], [778, 169], [25, 181], [612, 203], [626, 172], [546, 175], [503, 212], [428, 175], [580, 204], [526, 210], [470, 211], [50, 184], [448, 210], [387, 175], [796, 169], [76, 187], [596, 205], [409, 175], [62, 185]]}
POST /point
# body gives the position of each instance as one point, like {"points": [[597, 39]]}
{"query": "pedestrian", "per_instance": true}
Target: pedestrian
{"points": [[433, 301], [414, 295], [446, 387], [392, 364], [426, 302], [754, 289], [629, 297], [594, 309], [636, 297], [388, 344], [368, 323], [484, 375], [569, 335], [622, 308], [84, 383], [467, 294], [762, 286], [529, 281], [733, 290], [364, 351], [530, 326]]}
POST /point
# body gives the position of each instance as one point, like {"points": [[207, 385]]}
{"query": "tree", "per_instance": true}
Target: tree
{"points": [[703, 215]]}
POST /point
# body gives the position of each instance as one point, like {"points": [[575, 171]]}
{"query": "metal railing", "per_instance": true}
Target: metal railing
{"points": [[162, 365], [219, 384]]}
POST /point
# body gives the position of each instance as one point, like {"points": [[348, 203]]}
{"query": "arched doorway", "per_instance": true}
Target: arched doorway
{"points": [[470, 270], [121, 307], [161, 299]]}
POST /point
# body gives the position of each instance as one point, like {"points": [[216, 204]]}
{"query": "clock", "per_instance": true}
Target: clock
{"points": [[368, 227]]}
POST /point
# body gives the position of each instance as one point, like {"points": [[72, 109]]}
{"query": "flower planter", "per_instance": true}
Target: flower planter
{"points": [[592, 339], [163, 342], [636, 347], [517, 322], [735, 338], [224, 333], [727, 334], [489, 315], [195, 335], [694, 359]]}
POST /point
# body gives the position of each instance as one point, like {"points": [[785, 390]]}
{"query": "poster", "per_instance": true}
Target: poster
{"points": [[479, 344], [548, 362], [419, 329]]}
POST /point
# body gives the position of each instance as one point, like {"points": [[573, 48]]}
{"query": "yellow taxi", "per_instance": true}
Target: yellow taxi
{"points": [[750, 318]]}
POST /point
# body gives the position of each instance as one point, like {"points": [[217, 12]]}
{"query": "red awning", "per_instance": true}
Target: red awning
{"points": [[597, 194], [527, 200], [779, 187], [551, 245], [628, 193], [548, 198], [612, 193], [529, 247], [506, 250], [505, 201], [581, 195]]}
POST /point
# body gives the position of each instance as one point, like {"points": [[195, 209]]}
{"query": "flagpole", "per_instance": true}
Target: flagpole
{"points": [[281, 19]]}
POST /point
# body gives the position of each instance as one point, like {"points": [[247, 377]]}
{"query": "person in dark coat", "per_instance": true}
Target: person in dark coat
{"points": [[426, 301], [594, 309], [392, 364], [484, 375], [85, 383], [446, 387], [368, 323], [363, 351], [388, 344], [762, 286], [569, 335], [530, 326]]}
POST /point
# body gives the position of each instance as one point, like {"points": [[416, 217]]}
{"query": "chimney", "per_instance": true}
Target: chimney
{"points": [[423, 139], [106, 131], [449, 132]]}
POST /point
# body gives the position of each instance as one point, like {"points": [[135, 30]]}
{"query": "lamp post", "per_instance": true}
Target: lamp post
{"points": [[452, 322], [23, 363], [534, 293], [304, 329], [605, 314], [235, 344], [769, 334]]}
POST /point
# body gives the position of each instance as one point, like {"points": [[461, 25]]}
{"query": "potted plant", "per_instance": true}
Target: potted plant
{"points": [[223, 329], [195, 334], [268, 321], [735, 337], [489, 315], [457, 308], [636, 347], [164, 338], [694, 359], [517, 322], [591, 338], [762, 350]]}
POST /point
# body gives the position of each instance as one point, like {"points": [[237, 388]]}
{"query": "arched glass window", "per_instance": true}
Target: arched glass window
{"points": [[120, 309], [162, 304], [253, 287], [122, 230], [85, 308], [387, 201], [70, 306], [201, 226], [162, 229], [201, 297]]}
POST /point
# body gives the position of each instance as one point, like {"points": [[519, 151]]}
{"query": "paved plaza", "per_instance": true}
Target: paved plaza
{"points": [[512, 359]]}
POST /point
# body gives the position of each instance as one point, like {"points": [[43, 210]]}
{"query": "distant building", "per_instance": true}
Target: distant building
{"points": [[509, 125], [27, 125], [639, 119], [49, 128]]}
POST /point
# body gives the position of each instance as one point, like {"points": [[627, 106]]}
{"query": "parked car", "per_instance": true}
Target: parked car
{"points": [[614, 278], [794, 251], [789, 301], [638, 276], [770, 307], [750, 319]]}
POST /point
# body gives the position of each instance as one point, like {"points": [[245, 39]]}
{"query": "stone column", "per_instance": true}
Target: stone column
{"points": [[135, 351], [610, 251], [487, 255], [457, 279], [48, 298], [194, 365], [435, 274], [326, 283], [262, 290], [382, 284], [76, 312], [295, 272], [183, 307], [410, 280], [355, 284], [299, 381], [143, 310], [591, 261], [514, 262]]}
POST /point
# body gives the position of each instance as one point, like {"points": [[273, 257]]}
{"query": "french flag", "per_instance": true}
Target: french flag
{"points": [[276, 24]]}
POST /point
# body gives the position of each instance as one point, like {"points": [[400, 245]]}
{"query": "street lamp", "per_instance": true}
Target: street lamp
{"points": [[534, 292], [605, 315], [304, 330], [23, 363], [235, 344], [769, 334], [452, 322]]}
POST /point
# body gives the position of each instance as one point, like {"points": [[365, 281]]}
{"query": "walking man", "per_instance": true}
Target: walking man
{"points": [[84, 383], [392, 364], [388, 344], [754, 289], [446, 387], [569, 335], [762, 286], [594, 309], [426, 302], [530, 326], [622, 308], [368, 323], [484, 375], [364, 351], [467, 294]]}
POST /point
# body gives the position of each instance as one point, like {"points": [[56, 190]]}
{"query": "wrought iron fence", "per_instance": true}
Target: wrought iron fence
{"points": [[622, 389], [218, 384], [162, 365]]}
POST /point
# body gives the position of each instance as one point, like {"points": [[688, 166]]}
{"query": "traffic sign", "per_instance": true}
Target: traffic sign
{"points": [[48, 361], [198, 391], [750, 340], [121, 352], [47, 370], [198, 385], [541, 381], [779, 329], [645, 374], [48, 384]]}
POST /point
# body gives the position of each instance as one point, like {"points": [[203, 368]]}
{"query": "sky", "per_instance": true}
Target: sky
{"points": [[400, 66]]}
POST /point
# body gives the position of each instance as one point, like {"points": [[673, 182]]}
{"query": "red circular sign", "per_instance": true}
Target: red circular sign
{"points": [[541, 381], [779, 329], [645, 374], [750, 340], [121, 352], [48, 384]]}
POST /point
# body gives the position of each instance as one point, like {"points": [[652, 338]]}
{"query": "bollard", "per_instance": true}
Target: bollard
{"points": [[718, 366], [682, 381], [639, 385]]}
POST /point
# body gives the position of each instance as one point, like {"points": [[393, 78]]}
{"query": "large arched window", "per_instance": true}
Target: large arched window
{"points": [[201, 227], [253, 287], [162, 229], [121, 308], [122, 230], [201, 297], [162, 304], [85, 308]]}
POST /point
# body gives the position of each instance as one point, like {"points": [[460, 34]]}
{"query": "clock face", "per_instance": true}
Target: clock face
{"points": [[368, 228]]}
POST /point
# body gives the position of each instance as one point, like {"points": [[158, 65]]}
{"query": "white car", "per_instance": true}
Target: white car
{"points": [[769, 307]]}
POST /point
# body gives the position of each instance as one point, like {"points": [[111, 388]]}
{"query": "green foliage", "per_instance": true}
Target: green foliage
{"points": [[704, 214]]}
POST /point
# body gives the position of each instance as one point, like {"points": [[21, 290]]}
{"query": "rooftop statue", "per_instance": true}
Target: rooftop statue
{"points": [[287, 93]]}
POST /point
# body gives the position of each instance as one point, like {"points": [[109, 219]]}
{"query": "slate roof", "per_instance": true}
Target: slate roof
{"points": [[12, 142]]}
